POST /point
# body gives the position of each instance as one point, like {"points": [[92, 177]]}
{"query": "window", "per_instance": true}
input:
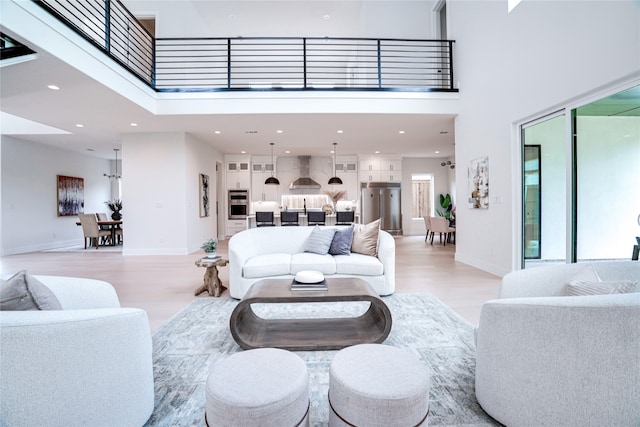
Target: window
{"points": [[421, 195]]}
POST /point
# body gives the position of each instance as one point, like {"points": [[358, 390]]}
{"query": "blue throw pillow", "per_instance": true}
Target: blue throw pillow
{"points": [[320, 240], [341, 243]]}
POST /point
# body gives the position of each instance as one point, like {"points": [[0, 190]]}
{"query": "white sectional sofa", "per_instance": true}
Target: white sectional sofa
{"points": [[549, 360], [278, 252], [89, 363]]}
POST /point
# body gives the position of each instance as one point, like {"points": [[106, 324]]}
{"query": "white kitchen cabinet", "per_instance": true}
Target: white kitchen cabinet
{"points": [[238, 175], [261, 169], [383, 169], [235, 226]]}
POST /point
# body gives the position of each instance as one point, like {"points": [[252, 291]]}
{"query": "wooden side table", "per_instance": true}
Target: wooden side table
{"points": [[211, 283]]}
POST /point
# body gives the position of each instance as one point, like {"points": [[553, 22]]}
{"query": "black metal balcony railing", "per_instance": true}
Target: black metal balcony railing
{"points": [[258, 63]]}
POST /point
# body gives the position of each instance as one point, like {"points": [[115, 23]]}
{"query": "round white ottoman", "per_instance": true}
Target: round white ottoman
{"points": [[378, 385], [261, 387]]}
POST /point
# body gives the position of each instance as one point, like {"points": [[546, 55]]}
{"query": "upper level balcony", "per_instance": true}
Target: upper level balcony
{"points": [[258, 63]]}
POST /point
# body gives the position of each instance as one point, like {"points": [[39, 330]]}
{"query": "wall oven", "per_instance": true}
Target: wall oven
{"points": [[238, 204]]}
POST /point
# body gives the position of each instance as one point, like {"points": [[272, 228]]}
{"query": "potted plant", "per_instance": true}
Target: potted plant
{"points": [[210, 247], [115, 206], [447, 206]]}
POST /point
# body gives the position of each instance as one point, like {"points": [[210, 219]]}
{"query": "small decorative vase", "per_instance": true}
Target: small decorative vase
{"points": [[116, 216], [212, 254]]}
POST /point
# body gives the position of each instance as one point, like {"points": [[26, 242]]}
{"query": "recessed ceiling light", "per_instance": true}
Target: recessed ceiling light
{"points": [[79, 125], [437, 152], [377, 152], [340, 131], [287, 151], [53, 87], [243, 152], [400, 132], [133, 124], [278, 131]]}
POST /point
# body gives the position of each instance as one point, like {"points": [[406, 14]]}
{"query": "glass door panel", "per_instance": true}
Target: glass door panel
{"points": [[544, 194], [607, 152]]}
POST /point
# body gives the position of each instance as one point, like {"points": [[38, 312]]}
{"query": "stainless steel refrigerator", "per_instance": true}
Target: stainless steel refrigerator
{"points": [[382, 200]]}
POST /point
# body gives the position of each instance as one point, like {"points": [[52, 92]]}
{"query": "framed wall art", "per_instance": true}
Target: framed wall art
{"points": [[478, 176], [204, 195], [70, 195]]}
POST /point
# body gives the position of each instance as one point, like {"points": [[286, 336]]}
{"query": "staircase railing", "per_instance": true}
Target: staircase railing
{"points": [[258, 63]]}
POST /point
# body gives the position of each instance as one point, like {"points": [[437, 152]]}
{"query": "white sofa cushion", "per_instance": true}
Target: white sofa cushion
{"points": [[310, 261], [267, 265], [358, 264]]}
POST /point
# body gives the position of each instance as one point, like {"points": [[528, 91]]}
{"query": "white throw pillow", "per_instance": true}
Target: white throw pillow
{"points": [[587, 274], [578, 287]]}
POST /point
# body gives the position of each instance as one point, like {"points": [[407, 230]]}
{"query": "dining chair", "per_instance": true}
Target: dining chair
{"points": [[91, 231], [440, 225], [316, 218], [264, 219], [345, 217], [103, 217], [427, 224], [289, 218]]}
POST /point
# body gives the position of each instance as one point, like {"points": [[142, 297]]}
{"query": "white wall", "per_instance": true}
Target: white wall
{"points": [[30, 220], [161, 190], [514, 66], [201, 158], [354, 18]]}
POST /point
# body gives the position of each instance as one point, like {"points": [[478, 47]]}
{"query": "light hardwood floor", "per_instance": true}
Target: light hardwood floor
{"points": [[163, 285]]}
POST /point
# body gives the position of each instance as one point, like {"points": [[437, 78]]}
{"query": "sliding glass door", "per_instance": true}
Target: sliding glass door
{"points": [[584, 207]]}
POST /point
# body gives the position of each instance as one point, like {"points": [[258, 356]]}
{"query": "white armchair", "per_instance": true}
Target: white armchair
{"points": [[88, 364], [549, 360]]}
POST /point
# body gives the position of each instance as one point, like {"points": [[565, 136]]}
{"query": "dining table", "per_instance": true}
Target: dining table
{"points": [[112, 225]]}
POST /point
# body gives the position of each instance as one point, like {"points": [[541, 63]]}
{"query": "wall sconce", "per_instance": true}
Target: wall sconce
{"points": [[449, 163]]}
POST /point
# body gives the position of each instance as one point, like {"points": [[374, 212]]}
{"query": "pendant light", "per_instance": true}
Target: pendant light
{"points": [[272, 180], [335, 180], [116, 175]]}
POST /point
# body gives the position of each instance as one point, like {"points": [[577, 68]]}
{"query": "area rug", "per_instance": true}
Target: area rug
{"points": [[189, 344]]}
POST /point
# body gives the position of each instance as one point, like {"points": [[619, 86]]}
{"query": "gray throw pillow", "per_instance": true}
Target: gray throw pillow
{"points": [[24, 292], [341, 243], [320, 240]]}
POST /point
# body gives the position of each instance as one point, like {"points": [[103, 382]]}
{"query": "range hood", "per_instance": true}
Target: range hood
{"points": [[304, 182]]}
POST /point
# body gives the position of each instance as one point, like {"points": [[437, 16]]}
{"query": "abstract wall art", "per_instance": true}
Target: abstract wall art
{"points": [[479, 183], [70, 195], [204, 195]]}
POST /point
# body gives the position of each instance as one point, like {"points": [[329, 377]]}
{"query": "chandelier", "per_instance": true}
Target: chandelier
{"points": [[116, 175]]}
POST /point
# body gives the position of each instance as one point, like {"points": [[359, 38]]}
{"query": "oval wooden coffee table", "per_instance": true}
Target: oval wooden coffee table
{"points": [[251, 331]]}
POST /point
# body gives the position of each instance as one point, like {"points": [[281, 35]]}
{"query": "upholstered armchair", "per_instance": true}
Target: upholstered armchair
{"points": [[550, 360], [87, 364]]}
